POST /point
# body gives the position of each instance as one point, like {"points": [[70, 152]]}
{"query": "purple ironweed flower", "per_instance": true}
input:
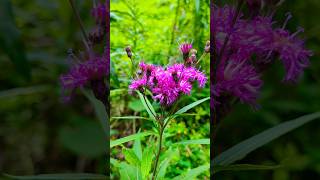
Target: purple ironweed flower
{"points": [[85, 73], [292, 53], [241, 39], [239, 79], [100, 13], [168, 84]]}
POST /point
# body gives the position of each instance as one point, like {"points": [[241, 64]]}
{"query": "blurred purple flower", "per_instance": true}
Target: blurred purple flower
{"points": [[85, 73], [242, 39]]}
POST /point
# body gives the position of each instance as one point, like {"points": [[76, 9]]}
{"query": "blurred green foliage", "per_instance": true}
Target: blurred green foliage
{"points": [[154, 30], [38, 132], [297, 151]]}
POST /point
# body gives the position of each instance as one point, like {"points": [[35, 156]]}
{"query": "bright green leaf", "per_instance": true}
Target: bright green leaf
{"points": [[196, 141], [131, 157], [193, 173], [130, 138]]}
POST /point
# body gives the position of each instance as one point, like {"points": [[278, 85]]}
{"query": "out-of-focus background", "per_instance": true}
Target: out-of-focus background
{"points": [[153, 29], [299, 150], [38, 132]]}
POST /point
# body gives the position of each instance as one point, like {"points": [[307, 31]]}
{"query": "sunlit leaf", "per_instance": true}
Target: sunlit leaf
{"points": [[130, 138]]}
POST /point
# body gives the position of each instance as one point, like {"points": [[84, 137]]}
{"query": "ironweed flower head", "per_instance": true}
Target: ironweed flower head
{"points": [[167, 84], [253, 43], [84, 73]]}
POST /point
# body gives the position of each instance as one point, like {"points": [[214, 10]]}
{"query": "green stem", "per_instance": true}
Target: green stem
{"points": [[154, 174], [75, 11], [202, 56]]}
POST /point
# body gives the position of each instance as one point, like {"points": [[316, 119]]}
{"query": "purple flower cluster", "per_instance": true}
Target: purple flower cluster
{"points": [[82, 73], [90, 69], [244, 46], [167, 84]]}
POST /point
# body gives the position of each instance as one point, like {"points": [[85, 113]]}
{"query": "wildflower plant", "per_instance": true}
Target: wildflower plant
{"points": [[165, 85], [244, 45]]}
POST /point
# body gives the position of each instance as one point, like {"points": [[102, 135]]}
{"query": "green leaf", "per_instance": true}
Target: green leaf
{"points": [[137, 148], [240, 150], [244, 167], [129, 172], [146, 162], [100, 111], [193, 173], [130, 117], [131, 157], [10, 39], [64, 176], [23, 91], [147, 105], [116, 92], [114, 162], [84, 138], [196, 141], [165, 163], [136, 105], [130, 138], [190, 106]]}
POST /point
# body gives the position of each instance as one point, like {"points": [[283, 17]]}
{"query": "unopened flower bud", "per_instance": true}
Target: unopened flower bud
{"points": [[207, 47], [193, 51], [128, 50]]}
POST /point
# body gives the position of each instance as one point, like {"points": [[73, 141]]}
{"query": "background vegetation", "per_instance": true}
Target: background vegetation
{"points": [[298, 151], [153, 29], [39, 133]]}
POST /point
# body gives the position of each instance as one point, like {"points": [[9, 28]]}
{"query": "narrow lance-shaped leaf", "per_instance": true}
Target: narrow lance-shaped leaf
{"points": [[147, 105], [147, 159], [130, 138], [100, 111], [244, 167], [192, 105], [240, 150], [193, 173], [195, 141]]}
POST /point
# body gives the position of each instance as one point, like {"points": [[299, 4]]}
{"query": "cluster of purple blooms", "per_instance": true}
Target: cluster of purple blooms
{"points": [[90, 69], [245, 46], [168, 84]]}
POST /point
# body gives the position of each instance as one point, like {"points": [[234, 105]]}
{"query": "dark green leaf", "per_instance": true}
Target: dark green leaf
{"points": [[10, 39], [240, 150], [244, 167], [65, 176]]}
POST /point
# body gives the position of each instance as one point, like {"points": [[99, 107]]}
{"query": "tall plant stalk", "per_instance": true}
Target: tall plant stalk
{"points": [[154, 173]]}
